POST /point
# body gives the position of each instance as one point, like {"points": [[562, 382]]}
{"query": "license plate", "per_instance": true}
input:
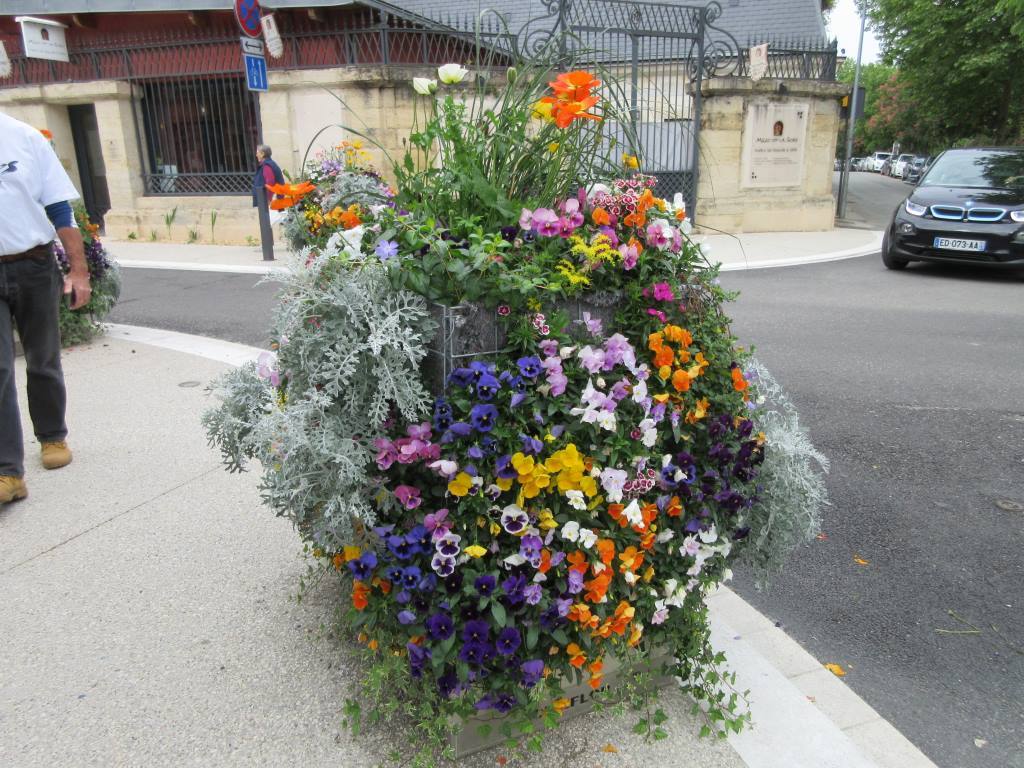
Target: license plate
{"points": [[956, 244]]}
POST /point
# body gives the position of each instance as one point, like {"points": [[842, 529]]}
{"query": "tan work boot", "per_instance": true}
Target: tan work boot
{"points": [[56, 455], [12, 489]]}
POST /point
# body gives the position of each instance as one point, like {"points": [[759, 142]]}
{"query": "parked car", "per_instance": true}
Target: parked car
{"points": [[857, 164], [967, 209], [916, 169], [877, 160], [899, 167]]}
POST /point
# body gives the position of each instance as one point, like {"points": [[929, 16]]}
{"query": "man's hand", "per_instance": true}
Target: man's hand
{"points": [[77, 285], [77, 281]]}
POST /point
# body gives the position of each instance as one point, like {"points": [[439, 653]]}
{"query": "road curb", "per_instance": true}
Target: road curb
{"points": [[788, 686], [795, 261]]}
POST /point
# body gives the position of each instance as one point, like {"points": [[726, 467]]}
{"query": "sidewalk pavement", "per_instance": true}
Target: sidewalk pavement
{"points": [[748, 251], [150, 618]]}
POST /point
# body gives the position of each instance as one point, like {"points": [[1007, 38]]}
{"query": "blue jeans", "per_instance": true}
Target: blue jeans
{"points": [[30, 291]]}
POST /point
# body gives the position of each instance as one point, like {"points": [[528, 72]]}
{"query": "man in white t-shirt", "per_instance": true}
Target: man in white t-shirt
{"points": [[34, 207]]}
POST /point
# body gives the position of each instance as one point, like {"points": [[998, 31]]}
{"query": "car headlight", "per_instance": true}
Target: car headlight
{"points": [[1017, 216], [914, 209]]}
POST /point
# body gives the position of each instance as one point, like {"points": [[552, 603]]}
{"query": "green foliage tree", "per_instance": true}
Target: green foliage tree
{"points": [[959, 70], [872, 78]]}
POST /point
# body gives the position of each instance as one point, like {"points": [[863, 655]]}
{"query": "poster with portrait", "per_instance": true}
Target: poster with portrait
{"points": [[774, 138]]}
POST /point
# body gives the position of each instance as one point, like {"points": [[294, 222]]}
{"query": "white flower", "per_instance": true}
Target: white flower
{"points": [[353, 239], [587, 538], [709, 536], [571, 530], [665, 535], [514, 560], [633, 514], [630, 577], [424, 85], [612, 480], [444, 467], [649, 431], [576, 501], [685, 227], [606, 420], [690, 547], [640, 391], [452, 73]]}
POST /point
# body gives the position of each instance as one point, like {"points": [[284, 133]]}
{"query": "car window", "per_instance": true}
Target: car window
{"points": [[986, 169]]}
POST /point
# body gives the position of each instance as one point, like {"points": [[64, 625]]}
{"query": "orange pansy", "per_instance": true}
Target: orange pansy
{"points": [[576, 656], [578, 562], [606, 549], [600, 217], [360, 593]]}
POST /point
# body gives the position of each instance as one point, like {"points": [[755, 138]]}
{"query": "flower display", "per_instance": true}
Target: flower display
{"points": [[566, 498], [82, 324]]}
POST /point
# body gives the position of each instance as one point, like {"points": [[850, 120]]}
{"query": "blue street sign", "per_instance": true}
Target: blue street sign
{"points": [[255, 72]]}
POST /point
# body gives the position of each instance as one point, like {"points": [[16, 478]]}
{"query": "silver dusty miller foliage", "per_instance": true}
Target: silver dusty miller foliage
{"points": [[348, 357], [791, 483]]}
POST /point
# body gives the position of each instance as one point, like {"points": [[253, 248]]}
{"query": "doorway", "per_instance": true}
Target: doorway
{"points": [[86, 136]]}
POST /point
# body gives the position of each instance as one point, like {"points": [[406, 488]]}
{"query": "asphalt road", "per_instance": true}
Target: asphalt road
{"points": [[911, 384], [872, 199], [216, 304]]}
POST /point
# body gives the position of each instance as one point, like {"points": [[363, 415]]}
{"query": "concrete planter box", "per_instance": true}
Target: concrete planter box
{"points": [[581, 696], [471, 331]]}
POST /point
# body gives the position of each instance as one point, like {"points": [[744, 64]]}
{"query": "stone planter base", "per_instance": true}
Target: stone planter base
{"points": [[581, 698]]}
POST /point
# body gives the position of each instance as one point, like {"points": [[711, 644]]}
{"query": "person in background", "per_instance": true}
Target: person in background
{"points": [[267, 172], [34, 196]]}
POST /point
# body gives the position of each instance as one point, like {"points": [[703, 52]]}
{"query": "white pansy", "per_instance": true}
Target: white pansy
{"points": [[686, 227], [630, 577], [690, 547], [710, 536], [424, 85], [571, 530], [606, 420], [640, 391], [576, 501], [727, 575], [649, 432], [670, 587], [665, 535], [633, 514], [514, 560], [452, 73], [587, 538]]}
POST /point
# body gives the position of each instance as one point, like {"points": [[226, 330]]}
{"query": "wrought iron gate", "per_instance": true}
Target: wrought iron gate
{"points": [[657, 54]]}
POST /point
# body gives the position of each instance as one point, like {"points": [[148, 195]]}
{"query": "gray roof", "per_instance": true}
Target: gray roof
{"points": [[749, 21]]}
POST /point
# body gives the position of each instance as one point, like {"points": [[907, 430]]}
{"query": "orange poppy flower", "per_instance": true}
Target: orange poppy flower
{"points": [[565, 112], [574, 86], [600, 217], [674, 508]]}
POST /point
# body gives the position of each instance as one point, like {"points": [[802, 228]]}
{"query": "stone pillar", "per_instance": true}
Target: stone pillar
{"points": [[730, 197]]}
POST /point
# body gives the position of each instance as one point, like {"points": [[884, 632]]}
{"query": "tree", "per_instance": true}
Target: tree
{"points": [[959, 69], [872, 78]]}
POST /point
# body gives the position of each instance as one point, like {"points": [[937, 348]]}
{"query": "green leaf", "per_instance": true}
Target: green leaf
{"points": [[641, 727], [659, 734], [532, 634], [560, 637], [498, 611], [659, 717]]}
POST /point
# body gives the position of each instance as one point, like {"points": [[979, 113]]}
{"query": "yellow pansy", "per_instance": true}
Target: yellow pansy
{"points": [[352, 553], [475, 550], [460, 485], [546, 520], [630, 161], [553, 147]]}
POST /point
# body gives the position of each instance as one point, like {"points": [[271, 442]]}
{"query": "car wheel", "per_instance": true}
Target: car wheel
{"points": [[890, 261]]}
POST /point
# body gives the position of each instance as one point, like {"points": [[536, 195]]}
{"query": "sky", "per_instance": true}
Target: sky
{"points": [[844, 24]]}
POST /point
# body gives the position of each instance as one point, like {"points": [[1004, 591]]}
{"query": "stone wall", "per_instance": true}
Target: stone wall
{"points": [[724, 201], [377, 102]]}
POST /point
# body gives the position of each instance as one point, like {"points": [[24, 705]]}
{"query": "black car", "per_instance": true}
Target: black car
{"points": [[917, 169], [968, 209]]}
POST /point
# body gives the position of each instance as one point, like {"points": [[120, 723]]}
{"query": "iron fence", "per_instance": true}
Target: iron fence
{"points": [[795, 59]]}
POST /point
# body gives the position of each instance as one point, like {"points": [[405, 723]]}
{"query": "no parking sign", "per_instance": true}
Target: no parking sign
{"points": [[248, 14]]}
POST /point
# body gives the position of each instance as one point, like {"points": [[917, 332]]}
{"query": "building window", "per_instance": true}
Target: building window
{"points": [[199, 135]]}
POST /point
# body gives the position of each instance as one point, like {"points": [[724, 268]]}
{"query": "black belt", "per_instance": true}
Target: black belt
{"points": [[39, 252]]}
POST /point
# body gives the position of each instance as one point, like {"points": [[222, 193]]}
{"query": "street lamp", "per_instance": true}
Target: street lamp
{"points": [[844, 176]]}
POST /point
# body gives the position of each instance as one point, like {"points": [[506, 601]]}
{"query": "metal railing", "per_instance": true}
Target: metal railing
{"points": [[795, 59]]}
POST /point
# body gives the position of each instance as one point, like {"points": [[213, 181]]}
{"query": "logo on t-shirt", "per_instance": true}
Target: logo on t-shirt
{"points": [[10, 167]]}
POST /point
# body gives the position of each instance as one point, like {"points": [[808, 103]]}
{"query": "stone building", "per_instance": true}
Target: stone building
{"points": [[153, 120]]}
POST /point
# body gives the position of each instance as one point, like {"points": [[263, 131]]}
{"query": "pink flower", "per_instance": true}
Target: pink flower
{"points": [[573, 215], [617, 349], [594, 324], [546, 222], [630, 256], [558, 382], [386, 453], [408, 496], [504, 309], [419, 431], [526, 219], [658, 314], [659, 234], [549, 347], [659, 616], [592, 359], [663, 292]]}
